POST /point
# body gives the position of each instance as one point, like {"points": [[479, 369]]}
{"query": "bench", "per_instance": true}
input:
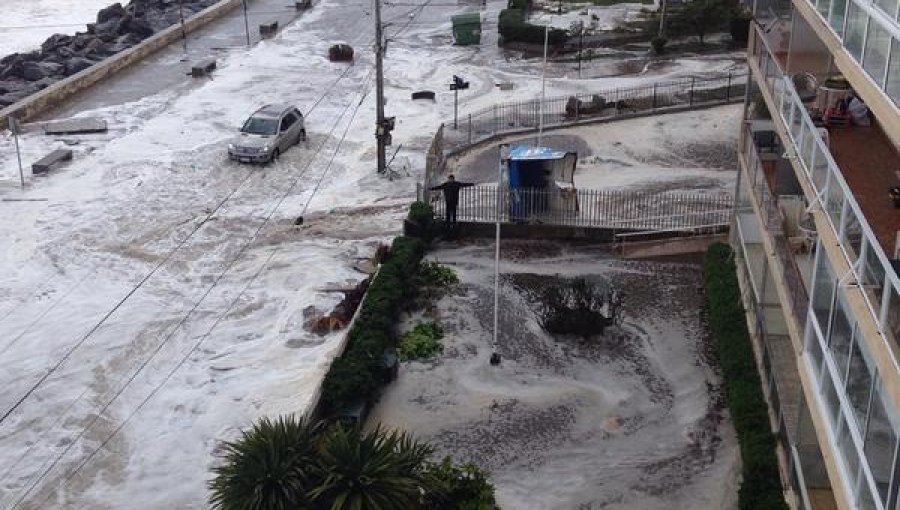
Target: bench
{"points": [[268, 29], [203, 68], [44, 164], [423, 94], [75, 126]]}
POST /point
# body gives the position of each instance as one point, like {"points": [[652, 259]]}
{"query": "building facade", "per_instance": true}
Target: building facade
{"points": [[817, 234]]}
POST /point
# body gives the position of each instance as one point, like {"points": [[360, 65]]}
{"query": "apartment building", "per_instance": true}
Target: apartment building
{"points": [[817, 238]]}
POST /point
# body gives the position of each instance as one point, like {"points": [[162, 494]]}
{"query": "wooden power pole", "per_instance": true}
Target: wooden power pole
{"points": [[381, 132]]}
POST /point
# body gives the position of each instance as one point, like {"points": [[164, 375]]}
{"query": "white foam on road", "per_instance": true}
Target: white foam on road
{"points": [[91, 231]]}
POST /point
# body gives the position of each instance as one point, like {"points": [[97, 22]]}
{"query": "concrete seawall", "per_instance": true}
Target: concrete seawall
{"points": [[41, 101]]}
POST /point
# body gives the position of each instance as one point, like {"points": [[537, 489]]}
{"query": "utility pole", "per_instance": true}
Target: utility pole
{"points": [[543, 85], [501, 193], [662, 18], [457, 85], [14, 126], [246, 22], [380, 131], [580, 45], [183, 33]]}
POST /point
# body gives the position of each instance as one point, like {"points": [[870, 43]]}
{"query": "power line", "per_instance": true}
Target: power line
{"points": [[327, 93], [183, 320]]}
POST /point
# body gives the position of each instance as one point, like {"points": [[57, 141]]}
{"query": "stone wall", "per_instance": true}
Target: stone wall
{"points": [[129, 30]]}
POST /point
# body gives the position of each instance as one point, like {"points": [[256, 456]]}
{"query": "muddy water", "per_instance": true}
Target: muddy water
{"points": [[632, 419]]}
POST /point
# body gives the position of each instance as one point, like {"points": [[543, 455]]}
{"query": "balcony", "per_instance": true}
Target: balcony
{"points": [[851, 336]]}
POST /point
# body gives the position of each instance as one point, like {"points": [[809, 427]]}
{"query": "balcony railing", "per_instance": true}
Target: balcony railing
{"points": [[774, 225], [870, 270]]}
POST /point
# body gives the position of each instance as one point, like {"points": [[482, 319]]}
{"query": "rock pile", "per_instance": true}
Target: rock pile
{"points": [[117, 28]]}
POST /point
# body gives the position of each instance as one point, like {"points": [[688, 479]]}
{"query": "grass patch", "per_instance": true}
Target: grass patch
{"points": [[423, 342], [761, 488]]}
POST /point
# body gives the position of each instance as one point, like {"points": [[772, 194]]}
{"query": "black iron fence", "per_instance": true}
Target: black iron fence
{"points": [[562, 110], [616, 209]]}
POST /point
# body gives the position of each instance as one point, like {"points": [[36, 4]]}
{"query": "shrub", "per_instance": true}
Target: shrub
{"points": [[513, 27], [423, 342], [432, 274], [356, 373], [522, 5], [761, 487], [458, 487], [575, 307], [421, 213]]}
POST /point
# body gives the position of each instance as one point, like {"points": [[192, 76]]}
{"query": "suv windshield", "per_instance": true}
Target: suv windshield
{"points": [[260, 126]]}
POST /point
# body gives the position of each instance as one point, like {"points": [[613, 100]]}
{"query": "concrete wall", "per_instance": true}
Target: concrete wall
{"points": [[41, 101]]}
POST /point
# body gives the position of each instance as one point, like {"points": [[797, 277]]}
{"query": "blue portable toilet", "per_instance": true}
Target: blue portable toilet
{"points": [[538, 169]]}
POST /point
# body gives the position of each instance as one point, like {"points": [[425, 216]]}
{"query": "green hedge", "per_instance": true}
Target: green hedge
{"points": [[359, 373], [761, 488], [514, 28]]}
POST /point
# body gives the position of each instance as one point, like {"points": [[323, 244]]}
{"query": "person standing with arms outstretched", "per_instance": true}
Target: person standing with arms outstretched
{"points": [[451, 196]]}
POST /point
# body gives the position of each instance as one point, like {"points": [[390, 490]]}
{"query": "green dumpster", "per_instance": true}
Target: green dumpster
{"points": [[467, 29]]}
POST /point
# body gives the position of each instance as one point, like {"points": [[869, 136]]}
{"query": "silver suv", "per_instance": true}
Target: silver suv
{"points": [[270, 131]]}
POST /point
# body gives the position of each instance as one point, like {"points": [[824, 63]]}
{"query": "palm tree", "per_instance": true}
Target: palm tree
{"points": [[271, 467], [377, 470]]}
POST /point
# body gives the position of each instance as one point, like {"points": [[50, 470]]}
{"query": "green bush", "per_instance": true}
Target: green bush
{"points": [[514, 28], [462, 487], [761, 488], [421, 213], [522, 5], [356, 373], [432, 274], [423, 342]]}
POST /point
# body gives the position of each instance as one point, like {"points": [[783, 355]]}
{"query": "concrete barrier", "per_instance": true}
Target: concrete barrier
{"points": [[41, 101]]}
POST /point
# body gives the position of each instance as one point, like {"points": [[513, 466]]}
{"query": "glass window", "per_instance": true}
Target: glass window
{"points": [[881, 441], [823, 293], [873, 278], [892, 331], [834, 202], [852, 236], [809, 144], [796, 124], [832, 404], [856, 29], [893, 80], [815, 351], [836, 19], [878, 43], [848, 449], [859, 384], [839, 341], [823, 7], [820, 168], [888, 6]]}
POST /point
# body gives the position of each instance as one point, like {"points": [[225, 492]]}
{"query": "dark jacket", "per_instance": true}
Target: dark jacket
{"points": [[451, 191]]}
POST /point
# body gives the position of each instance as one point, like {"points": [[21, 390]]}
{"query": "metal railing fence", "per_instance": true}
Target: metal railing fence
{"points": [[616, 209], [519, 116]]}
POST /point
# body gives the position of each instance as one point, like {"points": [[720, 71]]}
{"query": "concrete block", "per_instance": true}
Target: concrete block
{"points": [[75, 126], [302, 4], [44, 164], [268, 29], [423, 94], [203, 68], [505, 85]]}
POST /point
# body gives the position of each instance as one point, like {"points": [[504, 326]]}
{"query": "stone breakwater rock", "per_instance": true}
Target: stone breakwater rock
{"points": [[117, 28]]}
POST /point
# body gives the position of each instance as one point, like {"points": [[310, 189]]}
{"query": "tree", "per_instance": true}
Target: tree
{"points": [[271, 467], [377, 470], [705, 16]]}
